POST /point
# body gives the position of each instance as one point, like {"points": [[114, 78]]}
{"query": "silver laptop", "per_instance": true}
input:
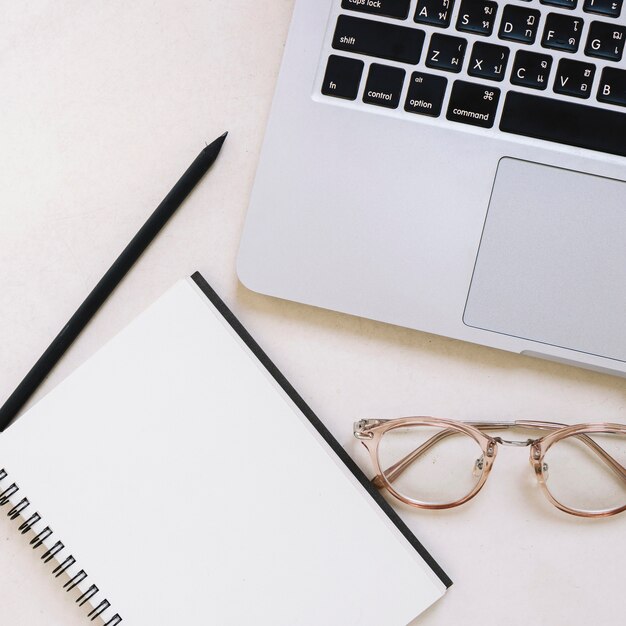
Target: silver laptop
{"points": [[453, 166]]}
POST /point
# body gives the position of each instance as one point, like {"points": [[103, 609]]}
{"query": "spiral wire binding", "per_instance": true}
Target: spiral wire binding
{"points": [[21, 509]]}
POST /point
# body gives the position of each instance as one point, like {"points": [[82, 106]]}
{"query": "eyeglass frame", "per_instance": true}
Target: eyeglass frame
{"points": [[370, 432]]}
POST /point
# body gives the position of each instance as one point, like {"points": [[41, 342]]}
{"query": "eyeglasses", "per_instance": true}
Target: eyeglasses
{"points": [[435, 463]]}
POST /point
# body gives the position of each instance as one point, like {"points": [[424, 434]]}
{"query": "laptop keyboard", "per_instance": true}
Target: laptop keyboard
{"points": [[546, 69]]}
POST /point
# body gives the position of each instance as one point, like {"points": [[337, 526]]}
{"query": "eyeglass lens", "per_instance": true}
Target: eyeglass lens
{"points": [[578, 475], [430, 465]]}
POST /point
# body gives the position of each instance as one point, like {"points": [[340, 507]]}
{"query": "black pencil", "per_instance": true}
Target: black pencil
{"points": [[109, 282]]}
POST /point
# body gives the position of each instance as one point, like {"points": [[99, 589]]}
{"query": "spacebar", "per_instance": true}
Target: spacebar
{"points": [[564, 122]]}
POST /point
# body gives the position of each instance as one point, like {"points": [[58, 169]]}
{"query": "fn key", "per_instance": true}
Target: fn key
{"points": [[343, 77]]}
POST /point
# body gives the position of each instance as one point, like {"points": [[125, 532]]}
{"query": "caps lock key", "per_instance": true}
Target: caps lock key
{"points": [[387, 8]]}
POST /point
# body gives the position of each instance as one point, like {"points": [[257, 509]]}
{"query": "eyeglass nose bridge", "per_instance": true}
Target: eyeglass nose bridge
{"points": [[515, 443]]}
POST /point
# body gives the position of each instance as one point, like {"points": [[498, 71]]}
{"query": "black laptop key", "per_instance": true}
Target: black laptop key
{"points": [[610, 8], [384, 86], [564, 122], [387, 8], [343, 77], [531, 69], [473, 104], [446, 53], [434, 12], [605, 41], [426, 93], [488, 61], [378, 39], [519, 24], [477, 16], [565, 4], [562, 32], [574, 78], [612, 87]]}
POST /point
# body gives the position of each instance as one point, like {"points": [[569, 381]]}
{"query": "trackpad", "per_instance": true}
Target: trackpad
{"points": [[551, 266]]}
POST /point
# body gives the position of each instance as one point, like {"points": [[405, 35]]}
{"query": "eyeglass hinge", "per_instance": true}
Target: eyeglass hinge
{"points": [[536, 452], [362, 427]]}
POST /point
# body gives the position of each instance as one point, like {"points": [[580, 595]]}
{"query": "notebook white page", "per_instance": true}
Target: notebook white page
{"points": [[192, 489]]}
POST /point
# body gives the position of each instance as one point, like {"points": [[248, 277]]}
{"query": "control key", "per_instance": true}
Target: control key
{"points": [[473, 104]]}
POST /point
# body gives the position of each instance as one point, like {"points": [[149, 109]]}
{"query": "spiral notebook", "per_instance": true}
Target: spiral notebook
{"points": [[178, 478]]}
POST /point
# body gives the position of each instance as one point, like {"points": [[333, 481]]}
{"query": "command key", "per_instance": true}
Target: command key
{"points": [[473, 104]]}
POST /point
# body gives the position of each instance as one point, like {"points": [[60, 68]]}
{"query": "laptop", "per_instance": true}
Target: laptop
{"points": [[452, 166]]}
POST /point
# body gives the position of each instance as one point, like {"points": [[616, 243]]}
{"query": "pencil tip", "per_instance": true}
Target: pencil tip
{"points": [[212, 150], [217, 144]]}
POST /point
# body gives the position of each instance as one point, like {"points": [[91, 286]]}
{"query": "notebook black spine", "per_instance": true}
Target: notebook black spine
{"points": [[23, 513]]}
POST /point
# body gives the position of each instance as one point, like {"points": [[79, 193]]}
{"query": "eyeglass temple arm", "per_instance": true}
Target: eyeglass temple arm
{"points": [[395, 470]]}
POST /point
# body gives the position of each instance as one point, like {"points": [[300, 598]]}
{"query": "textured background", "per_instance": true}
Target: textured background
{"points": [[103, 106]]}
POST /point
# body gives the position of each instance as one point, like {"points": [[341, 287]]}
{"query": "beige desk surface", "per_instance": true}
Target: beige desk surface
{"points": [[103, 105]]}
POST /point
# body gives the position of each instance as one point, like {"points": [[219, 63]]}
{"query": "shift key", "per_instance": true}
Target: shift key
{"points": [[378, 39], [473, 104]]}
